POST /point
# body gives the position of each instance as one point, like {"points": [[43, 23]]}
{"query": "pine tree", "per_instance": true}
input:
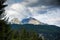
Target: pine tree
{"points": [[23, 34], [2, 6], [34, 36], [4, 27], [11, 35]]}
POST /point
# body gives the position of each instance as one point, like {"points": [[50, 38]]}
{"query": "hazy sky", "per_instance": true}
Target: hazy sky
{"points": [[46, 11]]}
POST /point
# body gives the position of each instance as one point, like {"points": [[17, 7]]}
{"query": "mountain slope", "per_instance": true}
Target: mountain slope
{"points": [[50, 32]]}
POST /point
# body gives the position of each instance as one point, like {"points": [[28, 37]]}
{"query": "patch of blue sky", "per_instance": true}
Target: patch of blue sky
{"points": [[13, 1]]}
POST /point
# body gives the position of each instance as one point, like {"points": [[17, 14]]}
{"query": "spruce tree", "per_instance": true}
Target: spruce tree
{"points": [[4, 27], [23, 34]]}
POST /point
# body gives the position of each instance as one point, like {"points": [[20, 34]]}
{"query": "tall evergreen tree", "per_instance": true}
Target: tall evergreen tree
{"points": [[22, 35], [4, 27]]}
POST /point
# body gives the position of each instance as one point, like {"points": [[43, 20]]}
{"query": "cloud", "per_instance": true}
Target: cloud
{"points": [[37, 10], [41, 2], [21, 11], [33, 3], [16, 11], [33, 8]]}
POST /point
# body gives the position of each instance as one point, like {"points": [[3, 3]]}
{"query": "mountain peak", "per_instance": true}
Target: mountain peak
{"points": [[31, 21], [15, 21]]}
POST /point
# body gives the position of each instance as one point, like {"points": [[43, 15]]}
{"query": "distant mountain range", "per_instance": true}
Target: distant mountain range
{"points": [[50, 32]]}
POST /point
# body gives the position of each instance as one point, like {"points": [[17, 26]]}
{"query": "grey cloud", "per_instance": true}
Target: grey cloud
{"points": [[49, 2], [43, 2]]}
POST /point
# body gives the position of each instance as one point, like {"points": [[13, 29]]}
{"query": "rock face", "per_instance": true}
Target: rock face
{"points": [[31, 21], [15, 21]]}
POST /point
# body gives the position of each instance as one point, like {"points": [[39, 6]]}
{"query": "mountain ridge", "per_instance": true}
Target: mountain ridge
{"points": [[32, 21]]}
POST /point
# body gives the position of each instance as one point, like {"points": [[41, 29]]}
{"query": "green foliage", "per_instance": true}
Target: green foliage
{"points": [[23, 34], [4, 30], [11, 35]]}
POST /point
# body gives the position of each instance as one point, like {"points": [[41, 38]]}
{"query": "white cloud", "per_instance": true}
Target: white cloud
{"points": [[35, 11], [17, 10], [52, 17]]}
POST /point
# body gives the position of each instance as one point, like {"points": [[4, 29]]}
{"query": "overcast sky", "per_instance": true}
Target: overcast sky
{"points": [[46, 11]]}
